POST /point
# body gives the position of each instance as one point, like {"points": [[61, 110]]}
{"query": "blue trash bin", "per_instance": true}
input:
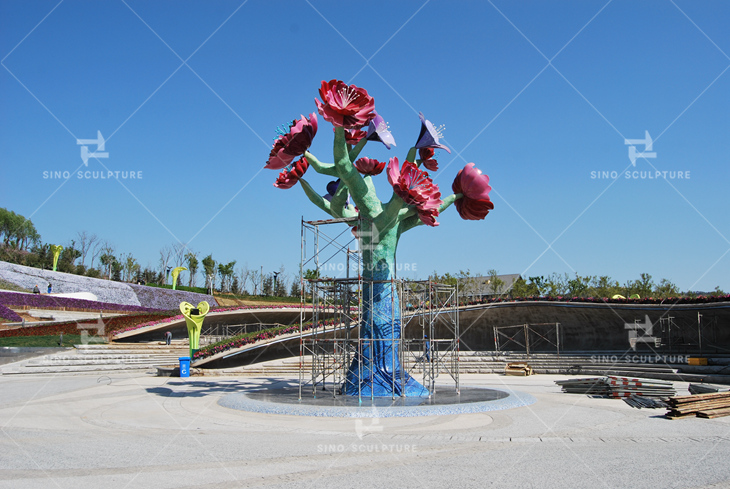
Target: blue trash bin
{"points": [[184, 366]]}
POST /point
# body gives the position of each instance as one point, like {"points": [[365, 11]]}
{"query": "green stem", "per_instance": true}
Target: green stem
{"points": [[319, 167], [367, 202], [411, 155], [448, 201], [390, 215], [409, 221], [316, 199], [354, 152], [338, 204]]}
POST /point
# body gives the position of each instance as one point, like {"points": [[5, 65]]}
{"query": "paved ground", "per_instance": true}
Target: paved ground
{"points": [[138, 431]]}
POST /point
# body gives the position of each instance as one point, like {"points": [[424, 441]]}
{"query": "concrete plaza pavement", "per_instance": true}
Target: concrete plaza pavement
{"points": [[137, 431]]}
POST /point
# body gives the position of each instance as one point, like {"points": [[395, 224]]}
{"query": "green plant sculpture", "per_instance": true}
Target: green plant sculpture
{"points": [[56, 250], [194, 317], [175, 272]]}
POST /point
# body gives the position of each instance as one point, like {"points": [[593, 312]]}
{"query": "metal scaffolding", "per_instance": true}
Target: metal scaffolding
{"points": [[684, 335], [331, 277], [430, 328], [530, 337]]}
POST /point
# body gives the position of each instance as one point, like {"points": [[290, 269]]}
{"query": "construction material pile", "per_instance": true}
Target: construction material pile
{"points": [[618, 387], [518, 368], [707, 388], [712, 405], [637, 401], [595, 385]]}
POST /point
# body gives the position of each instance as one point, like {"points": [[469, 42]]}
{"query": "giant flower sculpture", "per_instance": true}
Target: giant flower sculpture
{"points": [[415, 200]]}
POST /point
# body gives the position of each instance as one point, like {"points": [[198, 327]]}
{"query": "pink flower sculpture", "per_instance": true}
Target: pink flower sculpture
{"points": [[345, 106], [416, 188], [368, 166], [294, 143], [290, 176], [474, 187], [426, 156], [353, 136]]}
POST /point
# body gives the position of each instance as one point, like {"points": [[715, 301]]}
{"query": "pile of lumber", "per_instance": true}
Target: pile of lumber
{"points": [[618, 387], [518, 368], [712, 405]]}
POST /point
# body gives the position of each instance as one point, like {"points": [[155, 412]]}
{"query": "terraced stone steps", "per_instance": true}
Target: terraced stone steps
{"points": [[489, 362], [101, 358]]}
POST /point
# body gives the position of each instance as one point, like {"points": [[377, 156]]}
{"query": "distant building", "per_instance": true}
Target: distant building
{"points": [[481, 287]]}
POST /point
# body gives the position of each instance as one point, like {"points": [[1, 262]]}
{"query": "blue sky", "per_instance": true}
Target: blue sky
{"points": [[540, 95]]}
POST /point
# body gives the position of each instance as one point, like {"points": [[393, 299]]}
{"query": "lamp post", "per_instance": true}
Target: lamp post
{"points": [[276, 274]]}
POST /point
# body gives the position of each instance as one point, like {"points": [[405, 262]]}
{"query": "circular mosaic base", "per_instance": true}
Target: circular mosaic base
{"points": [[445, 401]]}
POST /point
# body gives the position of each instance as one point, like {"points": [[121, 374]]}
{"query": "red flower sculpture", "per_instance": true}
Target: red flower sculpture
{"points": [[345, 105], [289, 177], [426, 155], [368, 166], [353, 136], [474, 187], [416, 188], [294, 143]]}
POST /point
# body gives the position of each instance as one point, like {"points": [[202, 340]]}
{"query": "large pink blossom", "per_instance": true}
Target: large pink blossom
{"points": [[369, 166], [474, 187], [294, 143], [345, 105], [290, 176], [416, 188]]}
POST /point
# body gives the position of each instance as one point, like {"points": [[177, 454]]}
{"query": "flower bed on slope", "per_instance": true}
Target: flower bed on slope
{"points": [[599, 300], [254, 337], [180, 317], [54, 302], [74, 327], [162, 298], [9, 315]]}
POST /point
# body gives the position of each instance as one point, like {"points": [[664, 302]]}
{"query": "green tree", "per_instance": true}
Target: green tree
{"points": [[310, 274], [580, 286], [495, 283], [556, 285], [192, 261], [604, 286], [642, 287], [295, 288], [267, 286], [665, 289], [67, 260], [280, 287], [16, 231], [209, 268]]}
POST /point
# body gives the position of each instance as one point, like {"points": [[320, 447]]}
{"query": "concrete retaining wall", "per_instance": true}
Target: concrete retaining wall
{"points": [[586, 327]]}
